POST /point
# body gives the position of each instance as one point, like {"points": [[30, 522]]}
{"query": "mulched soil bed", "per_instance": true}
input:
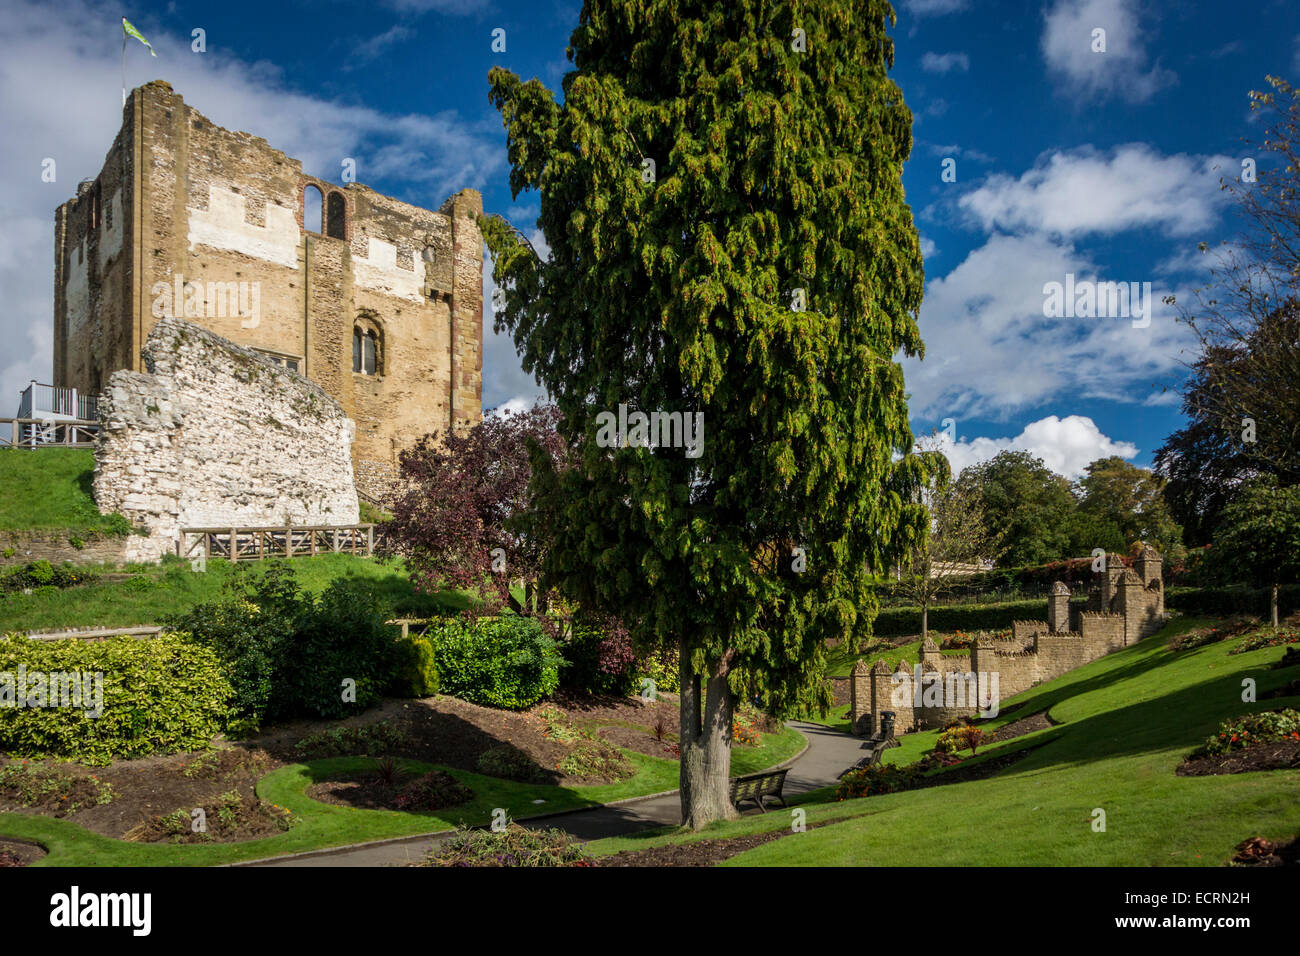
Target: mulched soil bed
{"points": [[17, 853], [696, 853], [1260, 852], [1025, 725], [960, 773], [147, 789], [641, 742], [1277, 756], [367, 791], [440, 730]]}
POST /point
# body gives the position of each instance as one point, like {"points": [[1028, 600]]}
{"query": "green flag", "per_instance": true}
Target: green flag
{"points": [[130, 31]]}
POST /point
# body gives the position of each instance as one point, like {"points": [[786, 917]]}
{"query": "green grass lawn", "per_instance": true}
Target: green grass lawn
{"points": [[48, 488], [156, 591], [324, 825], [1127, 721]]}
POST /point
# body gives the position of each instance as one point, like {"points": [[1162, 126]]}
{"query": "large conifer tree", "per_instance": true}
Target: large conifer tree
{"points": [[721, 194]]}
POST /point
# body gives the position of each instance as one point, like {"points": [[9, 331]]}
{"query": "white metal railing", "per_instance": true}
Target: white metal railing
{"points": [[38, 400]]}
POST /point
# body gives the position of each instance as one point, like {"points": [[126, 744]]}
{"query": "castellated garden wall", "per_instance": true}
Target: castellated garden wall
{"points": [[1124, 606], [213, 435]]}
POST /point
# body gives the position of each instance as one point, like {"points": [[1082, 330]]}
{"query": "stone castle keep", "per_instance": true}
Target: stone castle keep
{"points": [[377, 302], [1126, 605]]}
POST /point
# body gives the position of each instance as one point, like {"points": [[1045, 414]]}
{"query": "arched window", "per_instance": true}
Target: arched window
{"points": [[367, 348], [312, 207], [336, 220]]}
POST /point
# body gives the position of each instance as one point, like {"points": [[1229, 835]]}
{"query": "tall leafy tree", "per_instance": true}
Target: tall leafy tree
{"points": [[721, 194], [454, 524], [1259, 538], [1119, 493], [1243, 396], [1027, 505]]}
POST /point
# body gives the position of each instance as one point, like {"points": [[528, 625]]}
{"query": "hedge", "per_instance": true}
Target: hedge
{"points": [[505, 661], [161, 695], [894, 621], [1226, 601]]}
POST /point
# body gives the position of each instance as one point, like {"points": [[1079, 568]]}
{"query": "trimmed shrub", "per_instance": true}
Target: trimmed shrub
{"points": [[1227, 601], [414, 672], [598, 659], [288, 654], [505, 661], [160, 695], [895, 621], [878, 779], [42, 574]]}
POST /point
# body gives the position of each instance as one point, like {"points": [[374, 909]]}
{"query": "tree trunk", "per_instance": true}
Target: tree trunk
{"points": [[705, 745], [1273, 606], [925, 621]]}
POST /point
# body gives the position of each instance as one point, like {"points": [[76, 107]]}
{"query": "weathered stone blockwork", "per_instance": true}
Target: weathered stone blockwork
{"points": [[1125, 606], [213, 435], [185, 206]]}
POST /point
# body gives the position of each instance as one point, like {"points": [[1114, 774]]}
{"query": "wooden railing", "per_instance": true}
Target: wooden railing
{"points": [[255, 544], [43, 433]]}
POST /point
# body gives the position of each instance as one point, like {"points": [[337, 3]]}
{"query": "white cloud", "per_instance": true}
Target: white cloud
{"points": [[990, 350], [59, 98], [1066, 445], [933, 8], [1087, 191], [1067, 46], [927, 248], [944, 62]]}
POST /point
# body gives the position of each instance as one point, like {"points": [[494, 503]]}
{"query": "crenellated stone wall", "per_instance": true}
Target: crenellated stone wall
{"points": [[1126, 605], [213, 435]]}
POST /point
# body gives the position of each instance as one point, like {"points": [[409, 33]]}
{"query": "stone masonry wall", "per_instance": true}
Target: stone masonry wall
{"points": [[213, 435], [1125, 606]]}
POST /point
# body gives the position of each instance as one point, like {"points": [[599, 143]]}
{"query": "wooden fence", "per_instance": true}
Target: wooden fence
{"points": [[255, 544], [47, 433]]}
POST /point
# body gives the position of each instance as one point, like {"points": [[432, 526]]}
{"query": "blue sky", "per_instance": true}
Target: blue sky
{"points": [[1104, 165]]}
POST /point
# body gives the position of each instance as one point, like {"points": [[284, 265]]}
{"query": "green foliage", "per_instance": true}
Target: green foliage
{"points": [[960, 737], [414, 672], [514, 846], [586, 666], [28, 785], [1239, 733], [1122, 496], [895, 621], [1267, 638], [1258, 540], [674, 293], [289, 653], [37, 574], [1026, 504], [1227, 601], [596, 761], [662, 668], [505, 661], [160, 695], [509, 763], [368, 740], [878, 779]]}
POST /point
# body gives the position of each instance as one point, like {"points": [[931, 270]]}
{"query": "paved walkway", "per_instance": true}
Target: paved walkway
{"points": [[829, 753]]}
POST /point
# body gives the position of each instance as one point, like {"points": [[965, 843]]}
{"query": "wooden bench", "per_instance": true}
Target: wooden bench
{"points": [[757, 786]]}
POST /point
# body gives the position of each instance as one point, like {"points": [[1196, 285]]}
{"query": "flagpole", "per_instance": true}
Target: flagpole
{"points": [[124, 67]]}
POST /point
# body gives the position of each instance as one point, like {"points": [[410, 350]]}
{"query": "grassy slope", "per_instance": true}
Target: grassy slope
{"points": [[1128, 719], [47, 488], [173, 588], [323, 825]]}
